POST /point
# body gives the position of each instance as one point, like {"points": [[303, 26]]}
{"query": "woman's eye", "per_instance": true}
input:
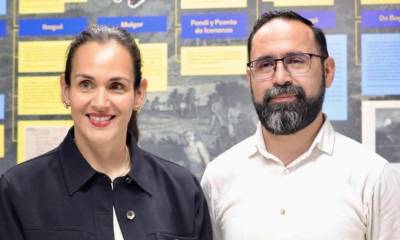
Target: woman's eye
{"points": [[117, 86], [86, 84]]}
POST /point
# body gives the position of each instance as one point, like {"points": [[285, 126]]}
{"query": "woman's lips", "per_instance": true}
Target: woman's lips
{"points": [[100, 120]]}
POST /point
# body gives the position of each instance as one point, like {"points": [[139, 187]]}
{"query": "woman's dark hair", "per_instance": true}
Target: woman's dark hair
{"points": [[285, 14], [104, 34]]}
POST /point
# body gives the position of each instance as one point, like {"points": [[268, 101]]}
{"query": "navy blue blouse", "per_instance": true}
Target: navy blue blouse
{"points": [[59, 196]]}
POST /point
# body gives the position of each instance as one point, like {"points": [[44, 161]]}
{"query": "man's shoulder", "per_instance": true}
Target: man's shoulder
{"points": [[239, 152], [228, 164], [351, 147], [357, 155]]}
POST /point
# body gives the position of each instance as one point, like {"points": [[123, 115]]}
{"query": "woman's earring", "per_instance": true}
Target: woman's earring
{"points": [[66, 104], [138, 108]]}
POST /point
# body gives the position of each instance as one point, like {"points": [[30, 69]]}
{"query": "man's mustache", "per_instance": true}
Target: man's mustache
{"points": [[280, 90]]}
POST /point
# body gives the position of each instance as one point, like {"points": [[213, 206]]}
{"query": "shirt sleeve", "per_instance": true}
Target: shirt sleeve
{"points": [[202, 218], [384, 221], [208, 189], [9, 222]]}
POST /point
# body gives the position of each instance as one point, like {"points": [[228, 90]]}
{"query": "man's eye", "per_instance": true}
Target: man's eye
{"points": [[295, 60], [265, 64]]}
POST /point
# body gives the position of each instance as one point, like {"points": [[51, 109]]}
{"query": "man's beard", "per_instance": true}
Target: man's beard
{"points": [[289, 117]]}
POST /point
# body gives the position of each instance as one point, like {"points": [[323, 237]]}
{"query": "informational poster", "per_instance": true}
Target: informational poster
{"points": [[32, 57], [155, 65], [44, 6], [33, 101], [213, 60], [371, 2], [1, 141], [2, 103], [38, 137], [210, 4], [40, 7], [296, 3], [380, 64], [3, 7], [335, 105]]}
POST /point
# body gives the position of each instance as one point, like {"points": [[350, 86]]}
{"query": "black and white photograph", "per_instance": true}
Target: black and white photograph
{"points": [[388, 134], [381, 128]]}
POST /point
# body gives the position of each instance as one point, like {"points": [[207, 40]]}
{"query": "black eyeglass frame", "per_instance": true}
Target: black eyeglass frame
{"points": [[276, 60]]}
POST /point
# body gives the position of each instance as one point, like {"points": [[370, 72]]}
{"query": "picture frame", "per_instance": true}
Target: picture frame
{"points": [[381, 128]]}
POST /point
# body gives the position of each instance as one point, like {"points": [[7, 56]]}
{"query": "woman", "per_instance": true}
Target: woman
{"points": [[98, 184]]}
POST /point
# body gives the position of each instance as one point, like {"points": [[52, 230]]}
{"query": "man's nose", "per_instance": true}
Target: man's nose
{"points": [[281, 75]]}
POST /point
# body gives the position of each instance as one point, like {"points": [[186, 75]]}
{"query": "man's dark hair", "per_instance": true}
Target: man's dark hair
{"points": [[268, 16]]}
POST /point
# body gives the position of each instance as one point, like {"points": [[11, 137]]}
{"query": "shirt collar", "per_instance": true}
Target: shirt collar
{"points": [[141, 170], [324, 141], [77, 170]]}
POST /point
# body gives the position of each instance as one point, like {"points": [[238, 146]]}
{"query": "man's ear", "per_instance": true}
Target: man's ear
{"points": [[140, 94], [329, 71], [248, 76]]}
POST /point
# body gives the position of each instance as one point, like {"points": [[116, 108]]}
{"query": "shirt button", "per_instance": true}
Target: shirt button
{"points": [[286, 171], [130, 215], [128, 179], [282, 211]]}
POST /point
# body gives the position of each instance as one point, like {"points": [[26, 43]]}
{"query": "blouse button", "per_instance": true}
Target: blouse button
{"points": [[128, 179], [282, 211], [130, 215], [286, 171]]}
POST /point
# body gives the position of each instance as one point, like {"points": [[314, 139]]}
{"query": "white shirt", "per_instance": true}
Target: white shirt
{"points": [[117, 229], [336, 190]]}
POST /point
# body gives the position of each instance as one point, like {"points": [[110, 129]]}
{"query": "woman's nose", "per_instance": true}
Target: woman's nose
{"points": [[100, 100]]}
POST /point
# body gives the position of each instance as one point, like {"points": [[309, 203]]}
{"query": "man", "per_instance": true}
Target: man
{"points": [[296, 178]]}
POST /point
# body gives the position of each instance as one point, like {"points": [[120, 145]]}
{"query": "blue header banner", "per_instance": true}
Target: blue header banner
{"points": [[143, 24], [380, 18], [49, 27], [216, 25], [325, 19], [3, 28]]}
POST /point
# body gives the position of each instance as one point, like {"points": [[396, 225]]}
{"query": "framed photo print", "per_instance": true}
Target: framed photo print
{"points": [[381, 128]]}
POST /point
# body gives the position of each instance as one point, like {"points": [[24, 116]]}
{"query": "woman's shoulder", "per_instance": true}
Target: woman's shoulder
{"points": [[32, 168]]}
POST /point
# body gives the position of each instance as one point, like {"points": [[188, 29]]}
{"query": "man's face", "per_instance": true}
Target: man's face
{"points": [[287, 103]]}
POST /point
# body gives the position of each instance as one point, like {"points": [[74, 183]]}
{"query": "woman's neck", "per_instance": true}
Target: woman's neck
{"points": [[111, 159]]}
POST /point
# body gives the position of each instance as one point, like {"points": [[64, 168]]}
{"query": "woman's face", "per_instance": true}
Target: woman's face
{"points": [[101, 93]]}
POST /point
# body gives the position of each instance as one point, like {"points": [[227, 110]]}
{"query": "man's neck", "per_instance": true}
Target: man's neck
{"points": [[289, 147]]}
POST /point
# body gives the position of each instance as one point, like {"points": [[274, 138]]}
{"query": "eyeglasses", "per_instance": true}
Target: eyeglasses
{"points": [[296, 64]]}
